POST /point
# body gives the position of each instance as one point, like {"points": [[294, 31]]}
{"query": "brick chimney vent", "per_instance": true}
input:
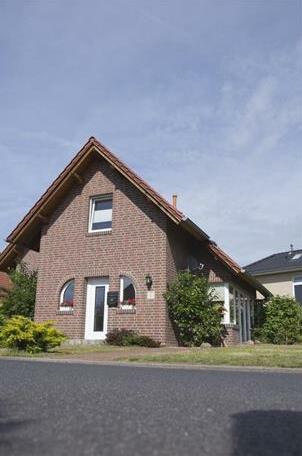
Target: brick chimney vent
{"points": [[174, 200]]}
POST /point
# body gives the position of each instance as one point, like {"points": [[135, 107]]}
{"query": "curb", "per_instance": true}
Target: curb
{"points": [[182, 366]]}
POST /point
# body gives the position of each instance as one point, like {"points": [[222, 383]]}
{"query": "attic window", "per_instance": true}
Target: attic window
{"points": [[297, 256], [100, 214]]}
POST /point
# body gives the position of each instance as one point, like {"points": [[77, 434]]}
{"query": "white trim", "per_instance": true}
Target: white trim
{"points": [[296, 283], [65, 308], [248, 303], [125, 306], [226, 315], [92, 202], [92, 284]]}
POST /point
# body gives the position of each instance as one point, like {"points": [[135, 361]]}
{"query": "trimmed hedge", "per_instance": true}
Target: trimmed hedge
{"points": [[127, 337]]}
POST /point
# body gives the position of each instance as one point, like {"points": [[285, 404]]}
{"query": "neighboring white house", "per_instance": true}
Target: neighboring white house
{"points": [[280, 273]]}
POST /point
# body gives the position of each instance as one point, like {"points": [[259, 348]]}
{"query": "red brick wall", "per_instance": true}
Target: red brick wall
{"points": [[31, 259], [142, 241], [136, 246], [232, 335]]}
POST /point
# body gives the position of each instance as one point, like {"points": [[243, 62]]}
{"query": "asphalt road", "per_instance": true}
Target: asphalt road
{"points": [[77, 409]]}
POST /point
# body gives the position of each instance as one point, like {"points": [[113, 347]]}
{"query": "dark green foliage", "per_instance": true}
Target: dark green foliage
{"points": [[126, 337], [21, 299], [21, 333], [282, 321], [193, 312], [2, 317]]}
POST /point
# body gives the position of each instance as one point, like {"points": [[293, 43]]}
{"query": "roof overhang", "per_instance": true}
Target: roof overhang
{"points": [[276, 271], [233, 267], [29, 227], [27, 232]]}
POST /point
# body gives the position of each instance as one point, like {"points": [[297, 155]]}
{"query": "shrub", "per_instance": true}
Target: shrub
{"points": [[2, 317], [127, 337], [21, 298], [193, 312], [21, 333], [282, 321]]}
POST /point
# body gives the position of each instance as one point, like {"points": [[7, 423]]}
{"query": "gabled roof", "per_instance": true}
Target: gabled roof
{"points": [[276, 263], [28, 230], [90, 147]]}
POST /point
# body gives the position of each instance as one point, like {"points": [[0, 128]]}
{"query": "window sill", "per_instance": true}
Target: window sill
{"points": [[65, 312], [99, 233], [120, 310]]}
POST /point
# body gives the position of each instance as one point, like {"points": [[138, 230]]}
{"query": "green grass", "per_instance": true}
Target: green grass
{"points": [[63, 351], [258, 355]]}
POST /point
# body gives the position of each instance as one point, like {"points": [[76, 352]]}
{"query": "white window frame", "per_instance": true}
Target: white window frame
{"points": [[296, 281], [93, 200], [65, 308], [125, 306]]}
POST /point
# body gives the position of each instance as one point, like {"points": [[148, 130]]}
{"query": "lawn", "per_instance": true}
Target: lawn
{"points": [[257, 355]]}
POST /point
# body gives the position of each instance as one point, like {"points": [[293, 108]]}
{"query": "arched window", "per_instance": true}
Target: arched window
{"points": [[127, 292], [66, 296]]}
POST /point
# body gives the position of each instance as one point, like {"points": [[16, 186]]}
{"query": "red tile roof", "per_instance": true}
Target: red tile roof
{"points": [[91, 145], [94, 145]]}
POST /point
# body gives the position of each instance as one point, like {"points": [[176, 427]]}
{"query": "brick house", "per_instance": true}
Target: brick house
{"points": [[106, 245]]}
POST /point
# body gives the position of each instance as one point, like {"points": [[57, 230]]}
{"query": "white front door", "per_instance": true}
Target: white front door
{"points": [[96, 309]]}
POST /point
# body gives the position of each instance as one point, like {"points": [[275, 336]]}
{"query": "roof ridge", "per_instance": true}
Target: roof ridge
{"points": [[272, 255], [121, 167], [259, 261], [116, 158]]}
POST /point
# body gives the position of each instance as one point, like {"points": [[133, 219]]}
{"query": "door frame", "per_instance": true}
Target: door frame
{"points": [[92, 283]]}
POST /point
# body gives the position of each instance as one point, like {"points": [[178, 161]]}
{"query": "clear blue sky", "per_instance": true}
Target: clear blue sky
{"points": [[200, 97]]}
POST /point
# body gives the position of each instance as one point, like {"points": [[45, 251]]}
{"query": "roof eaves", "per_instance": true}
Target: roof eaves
{"points": [[93, 144], [52, 188], [274, 271], [195, 229], [254, 282], [9, 250]]}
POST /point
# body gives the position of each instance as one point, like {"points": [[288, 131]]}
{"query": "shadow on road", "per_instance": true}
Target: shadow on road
{"points": [[262, 433], [10, 433]]}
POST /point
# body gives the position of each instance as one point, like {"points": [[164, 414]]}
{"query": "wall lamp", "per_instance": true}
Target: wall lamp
{"points": [[149, 281]]}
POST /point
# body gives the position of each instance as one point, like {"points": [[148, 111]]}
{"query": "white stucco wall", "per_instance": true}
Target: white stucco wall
{"points": [[279, 284]]}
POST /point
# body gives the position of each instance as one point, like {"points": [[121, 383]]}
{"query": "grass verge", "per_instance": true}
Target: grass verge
{"points": [[257, 355], [63, 351]]}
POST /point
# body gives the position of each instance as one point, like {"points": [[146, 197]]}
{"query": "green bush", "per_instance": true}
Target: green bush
{"points": [[127, 337], [194, 314], [21, 333], [2, 317], [282, 321], [21, 298]]}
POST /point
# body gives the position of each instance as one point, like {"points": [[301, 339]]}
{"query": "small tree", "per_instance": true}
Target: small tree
{"points": [[194, 314], [21, 298], [283, 321]]}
